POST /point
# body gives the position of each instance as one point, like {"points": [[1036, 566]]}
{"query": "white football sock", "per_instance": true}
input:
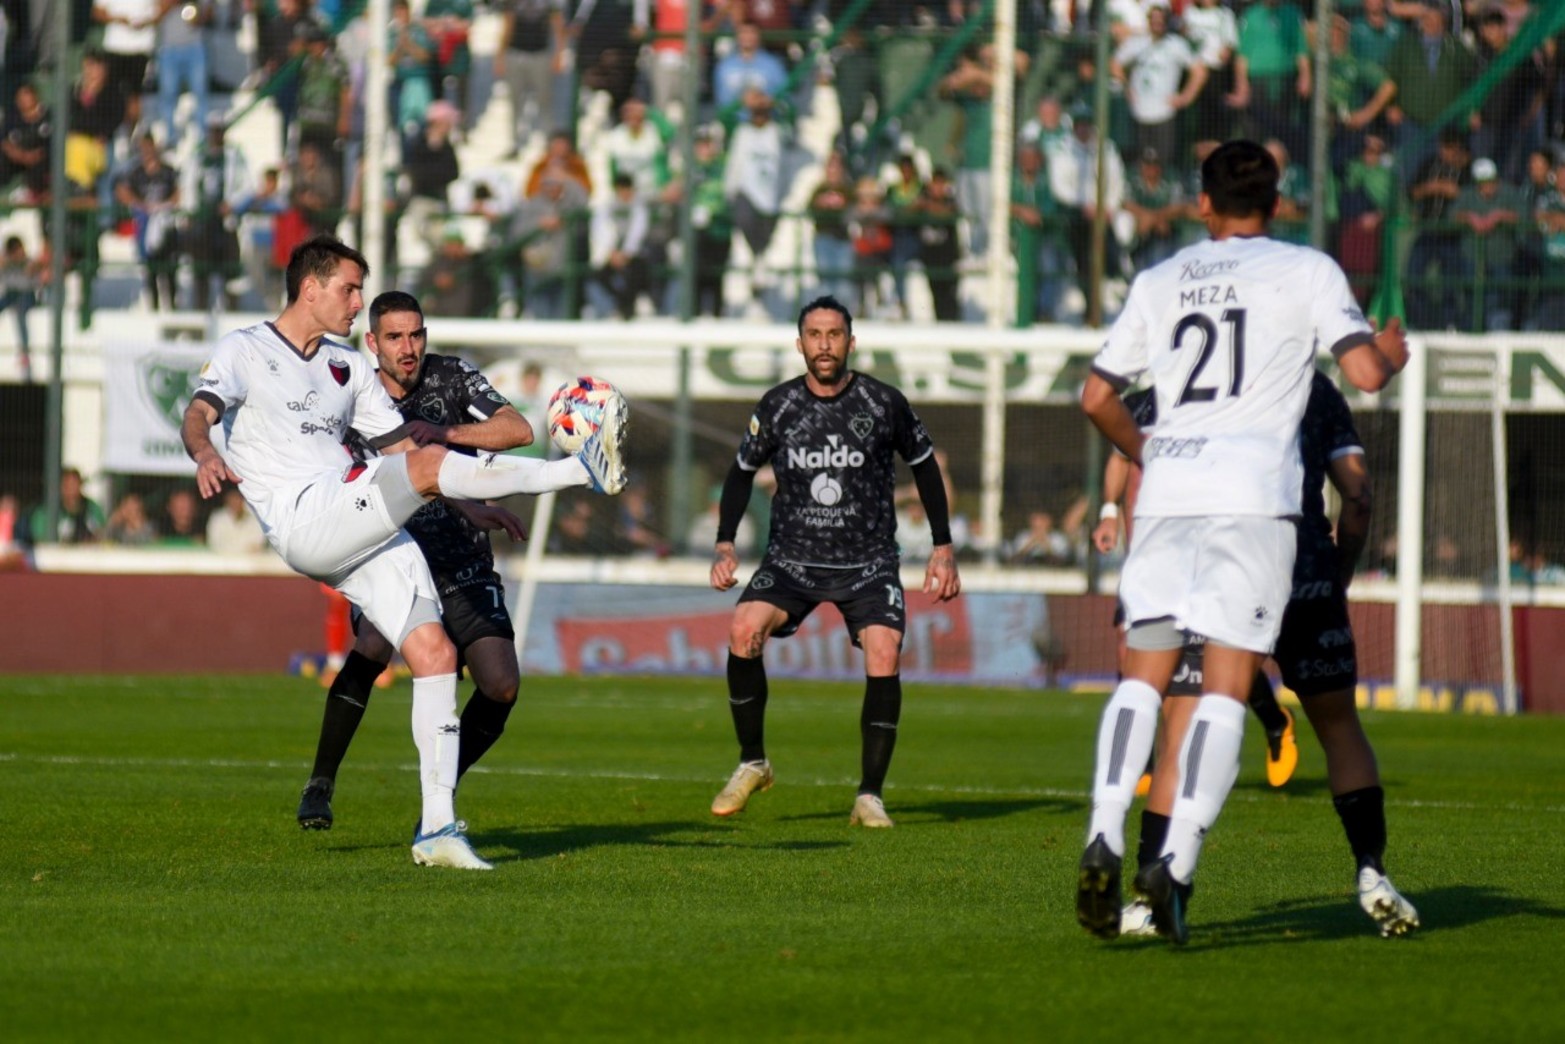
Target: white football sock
{"points": [[437, 733], [1125, 736], [491, 476], [1208, 766]]}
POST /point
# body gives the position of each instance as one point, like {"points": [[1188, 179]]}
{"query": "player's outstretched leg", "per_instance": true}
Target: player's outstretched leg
{"points": [[345, 705], [747, 692], [603, 454], [878, 721]]}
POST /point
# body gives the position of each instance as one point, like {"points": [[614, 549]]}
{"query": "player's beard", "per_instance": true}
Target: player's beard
{"points": [[828, 370]]}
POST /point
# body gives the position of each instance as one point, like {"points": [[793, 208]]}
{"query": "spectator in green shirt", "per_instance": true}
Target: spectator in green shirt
{"points": [[1431, 69], [81, 520], [1373, 32], [1492, 210], [1358, 93], [1272, 73]]}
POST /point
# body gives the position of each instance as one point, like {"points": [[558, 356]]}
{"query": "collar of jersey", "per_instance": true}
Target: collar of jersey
{"points": [[297, 351]]}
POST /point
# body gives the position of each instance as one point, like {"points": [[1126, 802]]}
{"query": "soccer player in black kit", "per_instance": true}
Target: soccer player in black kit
{"points": [[445, 400], [831, 436]]}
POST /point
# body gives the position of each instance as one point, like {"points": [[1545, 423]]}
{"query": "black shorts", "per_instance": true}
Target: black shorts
{"points": [[468, 614], [1315, 651], [865, 595], [1187, 674]]}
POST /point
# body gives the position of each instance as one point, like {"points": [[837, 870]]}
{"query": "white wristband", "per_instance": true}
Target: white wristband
{"points": [[1109, 510]]}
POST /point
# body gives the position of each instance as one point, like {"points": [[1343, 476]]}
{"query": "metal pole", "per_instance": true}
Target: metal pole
{"points": [[683, 451], [1320, 128], [59, 243], [1002, 125], [372, 165], [1411, 406], [1001, 150], [1100, 219]]}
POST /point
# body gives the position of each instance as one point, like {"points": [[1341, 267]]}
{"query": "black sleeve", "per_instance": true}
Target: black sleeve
{"points": [[932, 491], [736, 497]]}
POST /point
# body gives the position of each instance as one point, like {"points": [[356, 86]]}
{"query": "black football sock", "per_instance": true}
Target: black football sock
{"points": [[345, 703], [1154, 831], [878, 727], [1363, 815], [747, 703], [483, 720], [1263, 701]]}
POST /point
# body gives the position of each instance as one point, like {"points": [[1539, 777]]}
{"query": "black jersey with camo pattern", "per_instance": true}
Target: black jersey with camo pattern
{"points": [[450, 391], [835, 461], [1326, 430]]}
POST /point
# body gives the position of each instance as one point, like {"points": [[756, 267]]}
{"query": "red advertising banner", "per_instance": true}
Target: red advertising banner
{"points": [[938, 642]]}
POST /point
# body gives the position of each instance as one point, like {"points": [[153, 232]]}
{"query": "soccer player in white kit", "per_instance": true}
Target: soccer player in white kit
{"points": [[287, 396], [1228, 330]]}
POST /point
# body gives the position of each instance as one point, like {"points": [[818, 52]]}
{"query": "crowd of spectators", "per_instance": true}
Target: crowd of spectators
{"points": [[172, 518], [1433, 113]]}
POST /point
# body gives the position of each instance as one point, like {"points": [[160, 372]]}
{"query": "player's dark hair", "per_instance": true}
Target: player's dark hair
{"points": [[319, 256], [392, 301], [1240, 178], [829, 302]]}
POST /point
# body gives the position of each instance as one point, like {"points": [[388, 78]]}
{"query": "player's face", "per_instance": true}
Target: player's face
{"points": [[399, 347], [825, 344], [340, 299]]}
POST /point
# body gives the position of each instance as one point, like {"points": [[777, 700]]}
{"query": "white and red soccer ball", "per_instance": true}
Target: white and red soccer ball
{"points": [[576, 411]]}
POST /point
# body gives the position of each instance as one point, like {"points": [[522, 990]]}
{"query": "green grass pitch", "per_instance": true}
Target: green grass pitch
{"points": [[156, 887]]}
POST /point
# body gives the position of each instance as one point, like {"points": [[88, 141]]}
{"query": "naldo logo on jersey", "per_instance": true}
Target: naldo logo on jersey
{"points": [[833, 456]]}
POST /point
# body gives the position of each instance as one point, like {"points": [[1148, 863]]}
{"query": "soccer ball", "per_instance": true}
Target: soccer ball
{"points": [[576, 411]]}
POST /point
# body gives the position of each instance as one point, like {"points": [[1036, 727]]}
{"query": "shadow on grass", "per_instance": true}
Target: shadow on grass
{"points": [[951, 810], [1321, 918], [544, 842]]}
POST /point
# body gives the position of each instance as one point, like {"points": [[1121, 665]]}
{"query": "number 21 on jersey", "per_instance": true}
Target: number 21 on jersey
{"points": [[1199, 333]]}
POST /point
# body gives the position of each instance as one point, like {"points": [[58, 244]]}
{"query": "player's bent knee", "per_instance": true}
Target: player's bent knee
{"points": [[424, 468]]}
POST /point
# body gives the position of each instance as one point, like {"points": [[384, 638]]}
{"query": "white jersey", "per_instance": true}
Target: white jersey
{"points": [[1155, 67], [1229, 331], [285, 416]]}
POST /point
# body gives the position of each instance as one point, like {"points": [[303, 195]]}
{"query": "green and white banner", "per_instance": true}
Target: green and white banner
{"points": [[146, 390]]}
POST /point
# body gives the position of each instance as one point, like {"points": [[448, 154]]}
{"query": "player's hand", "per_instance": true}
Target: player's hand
{"points": [[490, 516], [1392, 343], [211, 472], [424, 433], [940, 575], [1105, 537], [725, 563]]}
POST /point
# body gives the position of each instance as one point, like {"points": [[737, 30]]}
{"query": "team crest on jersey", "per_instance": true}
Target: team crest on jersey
{"points": [[861, 424], [339, 372], [755, 425], [431, 411]]}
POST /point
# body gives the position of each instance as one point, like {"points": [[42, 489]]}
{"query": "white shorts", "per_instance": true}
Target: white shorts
{"points": [[346, 531], [338, 521], [1227, 578]]}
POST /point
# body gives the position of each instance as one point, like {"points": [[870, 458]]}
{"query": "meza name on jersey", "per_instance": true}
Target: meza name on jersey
{"points": [[1217, 293], [834, 456]]}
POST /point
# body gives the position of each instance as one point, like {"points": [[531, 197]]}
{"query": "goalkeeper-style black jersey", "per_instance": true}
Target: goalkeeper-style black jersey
{"points": [[835, 461], [449, 391]]}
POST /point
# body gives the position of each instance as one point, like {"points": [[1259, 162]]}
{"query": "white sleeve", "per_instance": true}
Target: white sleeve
{"points": [[223, 380], [1337, 316], [373, 411], [1123, 356]]}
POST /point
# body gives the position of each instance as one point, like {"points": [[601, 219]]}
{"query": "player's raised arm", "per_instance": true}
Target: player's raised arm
{"points": [[196, 432], [502, 430]]}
